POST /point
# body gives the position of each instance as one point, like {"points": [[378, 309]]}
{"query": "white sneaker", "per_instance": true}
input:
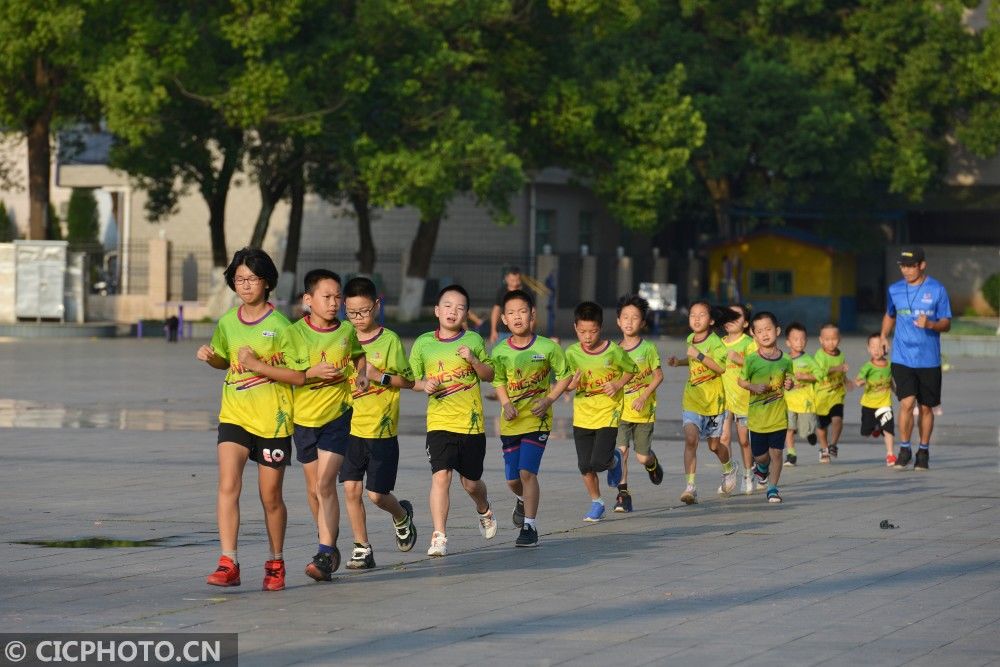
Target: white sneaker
{"points": [[729, 481], [487, 525], [690, 495], [439, 545], [747, 483]]}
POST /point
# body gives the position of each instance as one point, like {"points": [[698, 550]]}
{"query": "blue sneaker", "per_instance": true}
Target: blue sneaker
{"points": [[596, 512], [615, 471]]}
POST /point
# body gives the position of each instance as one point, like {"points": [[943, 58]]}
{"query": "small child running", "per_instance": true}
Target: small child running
{"points": [[704, 403], [601, 371], [639, 408], [738, 345], [801, 398], [831, 389], [766, 375], [876, 401]]}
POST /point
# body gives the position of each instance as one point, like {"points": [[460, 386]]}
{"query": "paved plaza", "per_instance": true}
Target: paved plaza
{"points": [[116, 439]]}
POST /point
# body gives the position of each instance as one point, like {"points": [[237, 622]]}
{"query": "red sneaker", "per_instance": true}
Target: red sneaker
{"points": [[227, 574], [274, 575]]}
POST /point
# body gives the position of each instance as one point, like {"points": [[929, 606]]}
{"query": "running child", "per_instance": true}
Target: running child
{"points": [[801, 398], [766, 375], [448, 364], [639, 408], [704, 403], [876, 401], [255, 418], [322, 405], [373, 446], [831, 389], [738, 346], [600, 370], [524, 362]]}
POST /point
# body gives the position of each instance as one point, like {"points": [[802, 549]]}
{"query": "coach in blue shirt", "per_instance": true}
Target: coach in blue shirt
{"points": [[919, 309]]}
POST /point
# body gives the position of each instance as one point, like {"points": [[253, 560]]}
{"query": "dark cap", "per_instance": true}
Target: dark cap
{"points": [[910, 254]]}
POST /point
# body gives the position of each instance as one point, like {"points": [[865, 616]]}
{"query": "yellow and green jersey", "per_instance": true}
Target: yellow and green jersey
{"points": [[524, 373], [878, 385], [592, 408], [256, 403], [318, 402], [457, 406], [801, 397], [767, 412], [376, 410], [646, 359], [829, 388], [704, 392], [737, 398]]}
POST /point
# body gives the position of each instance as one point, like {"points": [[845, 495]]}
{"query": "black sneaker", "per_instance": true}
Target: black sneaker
{"points": [[903, 458], [833, 451], [656, 472], [791, 460], [922, 456], [517, 516], [527, 538], [362, 558], [406, 533], [623, 503], [323, 565]]}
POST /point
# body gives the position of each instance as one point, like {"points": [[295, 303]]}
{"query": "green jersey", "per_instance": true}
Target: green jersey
{"points": [[647, 360], [376, 410], [878, 385], [256, 403], [318, 402], [801, 398], [704, 393], [767, 412], [737, 397], [830, 389], [524, 373], [592, 408], [457, 406]]}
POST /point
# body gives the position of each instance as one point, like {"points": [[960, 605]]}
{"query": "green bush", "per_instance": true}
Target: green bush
{"points": [[82, 224], [54, 230], [7, 230], [991, 291]]}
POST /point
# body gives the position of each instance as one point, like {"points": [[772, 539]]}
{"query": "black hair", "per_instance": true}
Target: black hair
{"points": [[717, 314], [518, 294], [316, 275], [874, 335], [512, 270], [361, 286], [635, 301], [765, 315], [742, 308], [455, 287], [795, 326], [588, 311], [828, 325], [259, 263]]}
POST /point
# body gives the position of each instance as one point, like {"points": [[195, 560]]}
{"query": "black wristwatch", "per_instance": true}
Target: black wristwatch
{"points": [[701, 356], [385, 380]]}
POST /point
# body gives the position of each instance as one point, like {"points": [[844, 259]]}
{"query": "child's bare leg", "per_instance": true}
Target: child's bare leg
{"points": [[232, 460], [887, 437], [727, 429], [356, 510], [591, 484], [691, 436], [624, 452], [309, 474], [836, 427], [477, 491], [743, 433], [719, 449], [774, 473], [439, 501], [269, 481], [531, 492], [387, 502], [326, 489]]}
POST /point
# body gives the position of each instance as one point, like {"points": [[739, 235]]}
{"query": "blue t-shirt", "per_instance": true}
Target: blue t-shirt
{"points": [[911, 346]]}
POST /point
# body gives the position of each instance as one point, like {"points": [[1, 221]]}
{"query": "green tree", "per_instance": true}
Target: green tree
{"points": [[82, 225], [53, 231], [8, 232]]}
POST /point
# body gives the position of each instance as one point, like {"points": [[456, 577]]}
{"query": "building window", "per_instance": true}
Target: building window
{"points": [[586, 229], [545, 222], [771, 282]]}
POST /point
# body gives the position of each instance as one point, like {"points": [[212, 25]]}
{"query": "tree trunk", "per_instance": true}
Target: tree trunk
{"points": [[217, 204], [366, 244], [297, 188], [39, 166], [419, 264], [718, 189], [270, 195]]}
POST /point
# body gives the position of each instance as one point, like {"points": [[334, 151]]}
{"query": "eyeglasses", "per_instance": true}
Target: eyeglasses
{"points": [[252, 280], [360, 314]]}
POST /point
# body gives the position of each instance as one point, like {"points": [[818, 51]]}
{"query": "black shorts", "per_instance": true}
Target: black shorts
{"points": [[761, 443], [823, 421], [875, 421], [330, 437], [267, 452], [924, 383], [376, 457], [462, 452], [595, 448]]}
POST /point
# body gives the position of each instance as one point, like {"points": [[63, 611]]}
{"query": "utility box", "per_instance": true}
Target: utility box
{"points": [[41, 280]]}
